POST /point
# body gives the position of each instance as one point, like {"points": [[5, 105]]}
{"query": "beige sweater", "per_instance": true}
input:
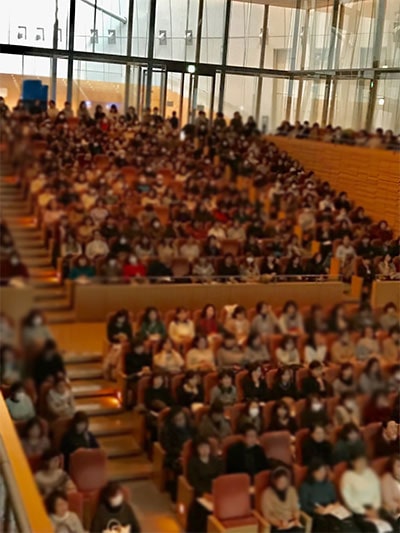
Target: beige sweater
{"points": [[274, 508]]}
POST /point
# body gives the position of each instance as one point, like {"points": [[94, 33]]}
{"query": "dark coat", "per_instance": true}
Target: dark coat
{"points": [[241, 459]]}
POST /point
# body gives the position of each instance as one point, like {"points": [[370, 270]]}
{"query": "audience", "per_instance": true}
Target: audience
{"points": [[19, 404], [61, 517], [51, 476], [247, 456], [114, 509]]}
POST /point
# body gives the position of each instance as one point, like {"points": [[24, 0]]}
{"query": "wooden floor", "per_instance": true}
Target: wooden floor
{"points": [[80, 336]]}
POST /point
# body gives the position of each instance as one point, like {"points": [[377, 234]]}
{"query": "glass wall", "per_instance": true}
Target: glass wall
{"points": [[293, 50]]}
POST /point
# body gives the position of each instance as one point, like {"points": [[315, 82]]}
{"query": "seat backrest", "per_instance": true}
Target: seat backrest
{"points": [[299, 475], [267, 413], [301, 434], [209, 381], [88, 469], [380, 465], [270, 377], [261, 481], [369, 434], [229, 441], [238, 383], [277, 446], [75, 503], [300, 375], [58, 428], [231, 496], [176, 382], [143, 384], [338, 470], [235, 412]]}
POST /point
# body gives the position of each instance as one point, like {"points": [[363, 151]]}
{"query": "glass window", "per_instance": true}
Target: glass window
{"points": [[103, 29], [240, 95], [318, 38], [245, 34], [213, 31], [176, 30], [273, 103], [387, 106], [34, 27], [98, 83], [140, 28], [349, 103], [390, 56], [312, 101]]}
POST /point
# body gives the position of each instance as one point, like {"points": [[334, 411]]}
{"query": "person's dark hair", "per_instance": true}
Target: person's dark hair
{"points": [[279, 472], [225, 373], [345, 366], [388, 306], [51, 500], [28, 319], [78, 418], [32, 422], [238, 310], [47, 456], [369, 365], [178, 311], [354, 456], [259, 306], [197, 339], [121, 313], [228, 336], [348, 428], [253, 366], [15, 387], [145, 317], [109, 491], [277, 405], [315, 464], [174, 411], [315, 364], [189, 375], [203, 313], [286, 339], [394, 329], [248, 427], [385, 423], [198, 441], [252, 337], [282, 370], [158, 375], [289, 303], [315, 426]]}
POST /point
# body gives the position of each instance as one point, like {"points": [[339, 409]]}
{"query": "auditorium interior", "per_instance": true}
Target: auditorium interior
{"points": [[200, 266]]}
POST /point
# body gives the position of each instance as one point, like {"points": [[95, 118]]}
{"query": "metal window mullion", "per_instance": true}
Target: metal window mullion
{"points": [[261, 64], [150, 50], [224, 54], [72, 12]]}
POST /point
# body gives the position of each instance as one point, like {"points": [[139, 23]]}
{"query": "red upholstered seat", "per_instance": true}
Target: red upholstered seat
{"points": [[88, 469], [231, 498], [276, 445]]}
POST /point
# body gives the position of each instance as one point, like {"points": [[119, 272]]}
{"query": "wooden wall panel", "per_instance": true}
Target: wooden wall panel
{"points": [[370, 177]]}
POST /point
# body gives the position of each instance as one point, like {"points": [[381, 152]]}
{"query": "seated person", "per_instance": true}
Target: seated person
{"points": [[77, 436], [157, 396], [343, 350], [314, 412], [60, 399], [168, 359], [280, 503], [291, 320], [284, 384], [288, 354], [315, 383], [230, 355], [214, 424], [228, 270], [200, 357], [345, 382], [61, 517], [391, 346], [360, 490], [281, 419], [371, 380], [96, 247], [238, 325], [316, 444], [265, 321], [225, 391], [191, 390], [203, 270], [113, 508], [51, 476], [33, 438], [152, 328], [35, 332], [315, 349], [19, 404], [203, 468], [111, 270], [390, 487], [378, 408], [390, 317], [388, 440], [181, 328], [11, 366], [256, 351], [247, 456], [208, 324], [367, 346], [319, 500], [82, 269], [252, 415], [48, 364], [254, 385], [347, 411], [349, 442]]}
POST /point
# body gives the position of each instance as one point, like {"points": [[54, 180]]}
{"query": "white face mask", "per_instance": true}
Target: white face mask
{"points": [[254, 411], [37, 321], [133, 260], [316, 407], [350, 405], [20, 396], [117, 500]]}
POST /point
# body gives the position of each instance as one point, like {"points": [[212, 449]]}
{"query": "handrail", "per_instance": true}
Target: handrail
{"points": [[27, 503]]}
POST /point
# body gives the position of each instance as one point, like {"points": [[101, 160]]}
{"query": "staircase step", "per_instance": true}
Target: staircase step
{"points": [[99, 405], [61, 317], [129, 468], [48, 293], [36, 262], [120, 446], [84, 371], [84, 388], [37, 252], [42, 272], [48, 284], [81, 358], [120, 424], [60, 304]]}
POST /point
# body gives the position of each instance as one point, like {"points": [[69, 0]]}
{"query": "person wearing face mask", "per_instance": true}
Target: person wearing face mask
{"points": [[114, 512], [11, 268], [48, 364], [11, 366], [347, 411], [61, 517], [247, 456], [19, 404], [134, 268], [314, 412], [253, 416], [121, 247], [77, 436], [60, 399], [35, 332], [316, 444]]}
